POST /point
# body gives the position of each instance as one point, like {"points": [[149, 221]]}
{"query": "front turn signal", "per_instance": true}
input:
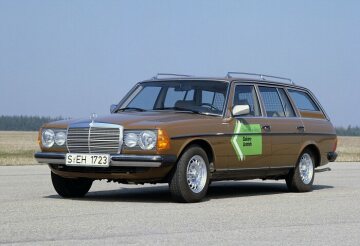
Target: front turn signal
{"points": [[39, 137], [163, 141]]}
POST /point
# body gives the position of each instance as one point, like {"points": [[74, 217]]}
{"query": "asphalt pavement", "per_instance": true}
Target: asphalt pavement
{"points": [[233, 213]]}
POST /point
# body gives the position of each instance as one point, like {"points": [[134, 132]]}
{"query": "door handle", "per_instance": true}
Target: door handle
{"points": [[266, 128], [301, 128]]}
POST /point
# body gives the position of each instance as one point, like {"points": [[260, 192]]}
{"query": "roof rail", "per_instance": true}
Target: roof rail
{"points": [[170, 74], [262, 76]]}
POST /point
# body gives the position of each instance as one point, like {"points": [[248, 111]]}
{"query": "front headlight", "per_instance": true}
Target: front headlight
{"points": [[60, 138], [147, 140], [48, 138], [53, 137], [131, 139]]}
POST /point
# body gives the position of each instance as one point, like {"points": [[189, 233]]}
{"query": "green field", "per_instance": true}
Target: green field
{"points": [[18, 148]]}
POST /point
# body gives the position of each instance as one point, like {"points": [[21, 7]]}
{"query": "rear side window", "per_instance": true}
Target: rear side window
{"points": [[272, 102], [289, 111], [246, 95], [303, 101]]}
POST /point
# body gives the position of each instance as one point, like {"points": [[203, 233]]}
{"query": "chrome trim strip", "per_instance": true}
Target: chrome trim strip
{"points": [[222, 134], [50, 161], [255, 168], [138, 157], [134, 164]]}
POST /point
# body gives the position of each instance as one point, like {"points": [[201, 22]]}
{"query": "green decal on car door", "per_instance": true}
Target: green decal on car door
{"points": [[247, 144]]}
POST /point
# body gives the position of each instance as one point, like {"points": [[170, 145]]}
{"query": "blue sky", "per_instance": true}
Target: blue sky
{"points": [[71, 58]]}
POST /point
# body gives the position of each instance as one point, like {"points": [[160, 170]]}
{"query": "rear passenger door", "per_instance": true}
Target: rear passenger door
{"points": [[285, 128]]}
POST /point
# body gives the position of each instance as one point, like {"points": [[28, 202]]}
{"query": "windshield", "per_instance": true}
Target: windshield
{"points": [[206, 97]]}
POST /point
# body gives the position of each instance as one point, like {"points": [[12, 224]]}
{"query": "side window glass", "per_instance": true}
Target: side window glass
{"points": [[289, 111], [272, 102], [303, 101], [246, 95]]}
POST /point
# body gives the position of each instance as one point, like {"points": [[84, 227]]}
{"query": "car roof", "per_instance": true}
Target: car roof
{"points": [[227, 80]]}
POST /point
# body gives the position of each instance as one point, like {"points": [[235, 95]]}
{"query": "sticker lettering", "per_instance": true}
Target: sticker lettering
{"points": [[247, 140]]}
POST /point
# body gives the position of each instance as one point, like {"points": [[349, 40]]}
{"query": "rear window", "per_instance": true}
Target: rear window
{"points": [[303, 101]]}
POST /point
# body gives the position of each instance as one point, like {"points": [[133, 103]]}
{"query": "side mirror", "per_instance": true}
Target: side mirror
{"points": [[112, 108], [240, 110]]}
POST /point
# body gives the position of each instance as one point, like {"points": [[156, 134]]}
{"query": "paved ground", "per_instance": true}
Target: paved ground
{"points": [[236, 213]]}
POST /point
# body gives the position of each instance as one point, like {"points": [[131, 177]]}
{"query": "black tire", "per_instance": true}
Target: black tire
{"points": [[294, 180], [70, 188], [179, 187]]}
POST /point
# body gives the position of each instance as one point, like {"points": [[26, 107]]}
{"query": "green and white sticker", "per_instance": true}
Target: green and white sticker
{"points": [[245, 145]]}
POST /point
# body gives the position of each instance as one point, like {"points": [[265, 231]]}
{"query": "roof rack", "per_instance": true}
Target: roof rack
{"points": [[170, 74], [262, 76]]}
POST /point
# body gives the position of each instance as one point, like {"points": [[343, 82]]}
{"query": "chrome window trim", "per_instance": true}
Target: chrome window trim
{"points": [[130, 96], [312, 99], [315, 100], [277, 92], [226, 100], [282, 103], [239, 83], [296, 110]]}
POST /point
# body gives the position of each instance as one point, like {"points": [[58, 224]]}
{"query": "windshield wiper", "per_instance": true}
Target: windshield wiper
{"points": [[188, 110], [180, 109], [130, 108]]}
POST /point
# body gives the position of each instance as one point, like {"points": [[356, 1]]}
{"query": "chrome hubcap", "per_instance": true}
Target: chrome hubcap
{"points": [[196, 174], [306, 167]]}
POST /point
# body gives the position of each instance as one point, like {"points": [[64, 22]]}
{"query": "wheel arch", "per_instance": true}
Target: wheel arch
{"points": [[315, 150], [203, 144]]}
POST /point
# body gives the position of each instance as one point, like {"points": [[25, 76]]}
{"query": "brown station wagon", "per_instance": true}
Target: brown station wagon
{"points": [[189, 131]]}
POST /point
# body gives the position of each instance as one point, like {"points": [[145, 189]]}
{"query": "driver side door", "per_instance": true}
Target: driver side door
{"points": [[250, 141]]}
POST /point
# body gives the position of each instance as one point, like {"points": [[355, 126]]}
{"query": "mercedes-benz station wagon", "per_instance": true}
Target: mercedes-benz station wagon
{"points": [[189, 131]]}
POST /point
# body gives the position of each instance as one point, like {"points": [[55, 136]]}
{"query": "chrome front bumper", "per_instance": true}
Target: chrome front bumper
{"points": [[116, 160]]}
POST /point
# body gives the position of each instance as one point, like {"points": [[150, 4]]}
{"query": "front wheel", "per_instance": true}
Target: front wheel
{"points": [[190, 180], [302, 177], [67, 187]]}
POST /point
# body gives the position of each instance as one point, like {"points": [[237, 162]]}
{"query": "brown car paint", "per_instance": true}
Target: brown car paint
{"points": [[282, 144]]}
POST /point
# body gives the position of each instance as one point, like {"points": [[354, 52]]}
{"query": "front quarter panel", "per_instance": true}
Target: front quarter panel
{"points": [[210, 129]]}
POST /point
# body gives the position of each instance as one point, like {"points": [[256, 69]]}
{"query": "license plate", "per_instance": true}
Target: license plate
{"points": [[90, 160]]}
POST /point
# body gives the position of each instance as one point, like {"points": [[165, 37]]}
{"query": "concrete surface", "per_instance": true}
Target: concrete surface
{"points": [[234, 213]]}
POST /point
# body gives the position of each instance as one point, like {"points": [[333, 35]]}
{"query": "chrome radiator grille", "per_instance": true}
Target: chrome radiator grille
{"points": [[95, 138]]}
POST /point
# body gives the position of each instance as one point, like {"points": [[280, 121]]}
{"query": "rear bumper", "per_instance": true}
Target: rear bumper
{"points": [[116, 160], [331, 156]]}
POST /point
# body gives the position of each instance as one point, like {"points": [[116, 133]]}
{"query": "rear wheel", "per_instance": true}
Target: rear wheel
{"points": [[190, 180], [301, 178], [67, 187]]}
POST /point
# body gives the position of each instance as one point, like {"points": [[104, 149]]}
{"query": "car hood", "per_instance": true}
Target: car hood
{"points": [[137, 120]]}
